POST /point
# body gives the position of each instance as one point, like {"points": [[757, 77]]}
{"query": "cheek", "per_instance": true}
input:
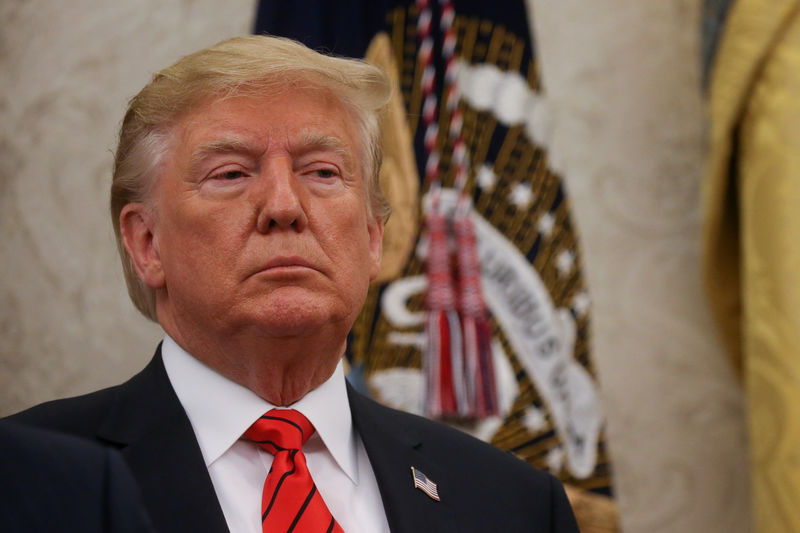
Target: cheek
{"points": [[193, 245], [208, 224], [354, 234], [356, 253]]}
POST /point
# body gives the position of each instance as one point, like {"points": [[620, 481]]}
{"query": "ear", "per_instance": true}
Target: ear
{"points": [[375, 229], [137, 226]]}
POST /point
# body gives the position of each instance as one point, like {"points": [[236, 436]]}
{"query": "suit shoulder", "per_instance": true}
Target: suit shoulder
{"points": [[83, 415], [497, 490], [79, 415], [455, 446], [22, 439]]}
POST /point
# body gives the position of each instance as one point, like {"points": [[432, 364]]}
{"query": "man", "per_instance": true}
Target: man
{"points": [[56, 483], [246, 204]]}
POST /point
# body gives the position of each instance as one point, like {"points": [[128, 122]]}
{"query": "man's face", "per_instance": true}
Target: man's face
{"points": [[261, 218]]}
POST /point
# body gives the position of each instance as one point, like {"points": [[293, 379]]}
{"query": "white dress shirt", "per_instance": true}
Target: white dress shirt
{"points": [[220, 411]]}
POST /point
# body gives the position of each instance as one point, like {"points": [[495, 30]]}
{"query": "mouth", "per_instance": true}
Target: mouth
{"points": [[286, 264]]}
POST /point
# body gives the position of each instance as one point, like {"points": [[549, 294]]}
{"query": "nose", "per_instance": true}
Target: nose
{"points": [[279, 197]]}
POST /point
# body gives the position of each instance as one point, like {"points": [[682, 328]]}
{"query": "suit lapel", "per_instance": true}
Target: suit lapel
{"points": [[149, 425], [393, 449]]}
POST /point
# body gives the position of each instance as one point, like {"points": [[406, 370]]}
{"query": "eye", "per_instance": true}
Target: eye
{"points": [[228, 175], [326, 173]]}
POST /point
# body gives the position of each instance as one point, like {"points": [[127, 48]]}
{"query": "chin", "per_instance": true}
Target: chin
{"points": [[299, 317]]}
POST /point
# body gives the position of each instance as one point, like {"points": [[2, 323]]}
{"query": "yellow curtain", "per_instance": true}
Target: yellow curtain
{"points": [[752, 238]]}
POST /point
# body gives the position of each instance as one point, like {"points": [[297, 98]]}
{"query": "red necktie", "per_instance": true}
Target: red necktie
{"points": [[291, 501]]}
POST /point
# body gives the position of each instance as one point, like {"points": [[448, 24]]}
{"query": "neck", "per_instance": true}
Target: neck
{"points": [[280, 370]]}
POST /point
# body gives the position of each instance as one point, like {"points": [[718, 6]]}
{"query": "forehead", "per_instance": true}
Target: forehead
{"points": [[296, 115]]}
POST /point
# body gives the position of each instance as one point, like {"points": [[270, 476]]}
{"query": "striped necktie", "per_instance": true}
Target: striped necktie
{"points": [[290, 501]]}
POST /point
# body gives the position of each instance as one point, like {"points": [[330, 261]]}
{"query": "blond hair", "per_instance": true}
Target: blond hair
{"points": [[249, 65]]}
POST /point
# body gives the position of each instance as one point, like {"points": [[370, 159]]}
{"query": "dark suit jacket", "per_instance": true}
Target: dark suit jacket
{"points": [[52, 483], [481, 488]]}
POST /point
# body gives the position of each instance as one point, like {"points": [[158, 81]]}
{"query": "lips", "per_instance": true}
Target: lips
{"points": [[286, 263]]}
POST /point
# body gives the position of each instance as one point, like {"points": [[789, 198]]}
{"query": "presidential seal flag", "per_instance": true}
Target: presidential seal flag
{"points": [[465, 146]]}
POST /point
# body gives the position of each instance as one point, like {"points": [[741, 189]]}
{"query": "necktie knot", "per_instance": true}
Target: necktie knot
{"points": [[290, 501], [279, 430]]}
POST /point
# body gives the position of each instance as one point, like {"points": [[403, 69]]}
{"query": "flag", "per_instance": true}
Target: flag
{"points": [[422, 482], [527, 245]]}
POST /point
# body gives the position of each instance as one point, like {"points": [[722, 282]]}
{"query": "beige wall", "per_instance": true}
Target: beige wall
{"points": [[66, 325], [628, 133]]}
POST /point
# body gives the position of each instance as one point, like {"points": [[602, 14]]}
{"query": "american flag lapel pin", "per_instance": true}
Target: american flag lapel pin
{"points": [[424, 484]]}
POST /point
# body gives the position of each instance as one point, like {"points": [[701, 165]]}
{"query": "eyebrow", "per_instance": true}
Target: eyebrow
{"points": [[314, 140], [221, 146], [309, 141]]}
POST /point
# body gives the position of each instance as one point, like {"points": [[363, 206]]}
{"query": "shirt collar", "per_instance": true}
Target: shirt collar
{"points": [[221, 410]]}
